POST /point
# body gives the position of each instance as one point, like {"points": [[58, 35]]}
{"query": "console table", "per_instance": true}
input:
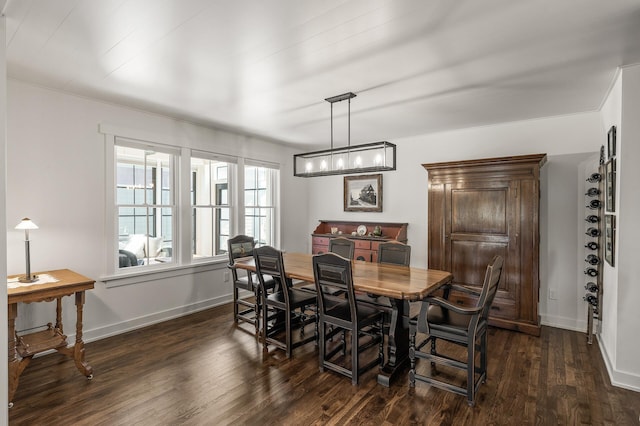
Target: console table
{"points": [[59, 283], [366, 244]]}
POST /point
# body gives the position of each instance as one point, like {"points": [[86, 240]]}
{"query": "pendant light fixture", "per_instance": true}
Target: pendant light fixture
{"points": [[366, 158]]}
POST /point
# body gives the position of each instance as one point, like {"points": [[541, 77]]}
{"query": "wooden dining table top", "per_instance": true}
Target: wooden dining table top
{"points": [[394, 281]]}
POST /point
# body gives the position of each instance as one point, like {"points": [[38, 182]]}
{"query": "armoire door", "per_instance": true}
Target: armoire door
{"points": [[481, 221]]}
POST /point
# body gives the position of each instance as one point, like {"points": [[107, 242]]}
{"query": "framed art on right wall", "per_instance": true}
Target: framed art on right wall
{"points": [[610, 185], [611, 141], [609, 238]]}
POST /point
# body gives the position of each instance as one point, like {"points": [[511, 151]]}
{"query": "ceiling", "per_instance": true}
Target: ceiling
{"points": [[265, 66]]}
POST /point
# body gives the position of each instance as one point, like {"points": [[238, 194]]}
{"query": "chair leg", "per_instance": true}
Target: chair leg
{"points": [[471, 367], [381, 344], [323, 346], [412, 355], [265, 324], [483, 356], [235, 304], [433, 350], [355, 357], [288, 337], [256, 309]]}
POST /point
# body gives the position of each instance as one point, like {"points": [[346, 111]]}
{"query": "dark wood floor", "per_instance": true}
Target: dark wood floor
{"points": [[203, 370]]}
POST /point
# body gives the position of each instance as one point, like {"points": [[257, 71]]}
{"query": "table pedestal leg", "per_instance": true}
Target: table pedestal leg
{"points": [[397, 343]]}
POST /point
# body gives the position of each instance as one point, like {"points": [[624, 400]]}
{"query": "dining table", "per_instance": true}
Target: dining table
{"points": [[396, 285]]}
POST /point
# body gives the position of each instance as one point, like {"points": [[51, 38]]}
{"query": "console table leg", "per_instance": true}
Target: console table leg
{"points": [[77, 350], [16, 365]]}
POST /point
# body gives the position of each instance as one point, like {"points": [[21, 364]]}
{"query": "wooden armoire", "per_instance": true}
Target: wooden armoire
{"points": [[480, 208]]}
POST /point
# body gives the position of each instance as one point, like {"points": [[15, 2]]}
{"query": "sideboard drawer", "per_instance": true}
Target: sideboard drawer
{"points": [[363, 245], [320, 241]]}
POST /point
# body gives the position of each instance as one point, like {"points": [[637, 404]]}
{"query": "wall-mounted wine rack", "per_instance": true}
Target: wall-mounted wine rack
{"points": [[594, 206]]}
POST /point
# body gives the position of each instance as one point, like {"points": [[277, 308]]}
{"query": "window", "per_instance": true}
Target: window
{"points": [[145, 206], [211, 207], [260, 200], [173, 206]]}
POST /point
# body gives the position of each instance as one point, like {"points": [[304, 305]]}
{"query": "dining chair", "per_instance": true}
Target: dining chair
{"points": [[341, 314], [244, 310], [465, 326], [285, 306], [342, 246], [395, 253]]}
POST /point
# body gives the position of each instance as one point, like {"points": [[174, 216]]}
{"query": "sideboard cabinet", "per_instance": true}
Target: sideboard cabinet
{"points": [[480, 208], [366, 243]]}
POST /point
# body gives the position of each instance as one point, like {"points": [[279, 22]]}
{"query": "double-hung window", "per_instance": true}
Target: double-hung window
{"points": [[260, 201], [145, 204], [211, 203]]}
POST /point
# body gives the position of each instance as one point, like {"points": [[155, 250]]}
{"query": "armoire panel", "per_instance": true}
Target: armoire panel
{"points": [[479, 210]]}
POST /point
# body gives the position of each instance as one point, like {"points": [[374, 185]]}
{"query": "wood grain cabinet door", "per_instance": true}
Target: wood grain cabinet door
{"points": [[480, 222]]}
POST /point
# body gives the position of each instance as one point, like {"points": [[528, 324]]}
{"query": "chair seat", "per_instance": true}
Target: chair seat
{"points": [[298, 298], [342, 311], [243, 283], [449, 322]]}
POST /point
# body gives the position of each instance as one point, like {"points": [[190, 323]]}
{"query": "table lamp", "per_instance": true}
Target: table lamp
{"points": [[27, 224]]}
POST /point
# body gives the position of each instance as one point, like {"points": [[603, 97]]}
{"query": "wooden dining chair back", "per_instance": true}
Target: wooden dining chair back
{"points": [[286, 307], [244, 310], [395, 253], [340, 313], [442, 319], [342, 246]]}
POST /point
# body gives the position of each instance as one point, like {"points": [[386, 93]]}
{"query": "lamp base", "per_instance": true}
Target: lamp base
{"points": [[31, 279]]}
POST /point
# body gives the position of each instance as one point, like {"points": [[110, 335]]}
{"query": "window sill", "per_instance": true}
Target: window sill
{"points": [[160, 272]]}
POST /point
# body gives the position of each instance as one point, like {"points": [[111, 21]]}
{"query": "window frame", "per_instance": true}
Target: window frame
{"points": [[183, 261]]}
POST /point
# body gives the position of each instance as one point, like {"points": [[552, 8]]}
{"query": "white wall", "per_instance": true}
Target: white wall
{"points": [[621, 288], [611, 116], [4, 414], [56, 177], [628, 228]]}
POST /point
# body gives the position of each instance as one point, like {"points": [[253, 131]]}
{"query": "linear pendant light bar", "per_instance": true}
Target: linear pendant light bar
{"points": [[366, 158]]}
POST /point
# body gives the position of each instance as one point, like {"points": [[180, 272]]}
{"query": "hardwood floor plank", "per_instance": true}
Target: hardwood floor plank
{"points": [[202, 369]]}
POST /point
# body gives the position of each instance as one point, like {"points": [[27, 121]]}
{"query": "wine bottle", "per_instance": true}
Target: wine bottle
{"points": [[592, 287], [593, 232], [592, 192], [592, 218], [594, 178], [592, 272], [594, 204], [591, 299], [592, 245], [592, 259]]}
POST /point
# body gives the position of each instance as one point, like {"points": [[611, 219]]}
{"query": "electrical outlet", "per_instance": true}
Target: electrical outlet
{"points": [[552, 294], [226, 276]]}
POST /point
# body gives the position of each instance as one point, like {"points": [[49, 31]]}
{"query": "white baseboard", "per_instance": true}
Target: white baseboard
{"points": [[618, 378], [565, 323], [147, 320]]}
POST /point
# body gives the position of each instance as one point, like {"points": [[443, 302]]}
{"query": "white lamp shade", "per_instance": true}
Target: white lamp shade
{"points": [[26, 223]]}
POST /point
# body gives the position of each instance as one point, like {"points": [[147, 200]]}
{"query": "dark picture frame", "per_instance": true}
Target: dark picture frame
{"points": [[363, 193], [610, 185], [609, 238], [611, 142]]}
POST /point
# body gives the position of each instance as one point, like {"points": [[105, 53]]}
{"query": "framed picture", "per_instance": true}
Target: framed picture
{"points": [[363, 193], [611, 141], [610, 185], [609, 238]]}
